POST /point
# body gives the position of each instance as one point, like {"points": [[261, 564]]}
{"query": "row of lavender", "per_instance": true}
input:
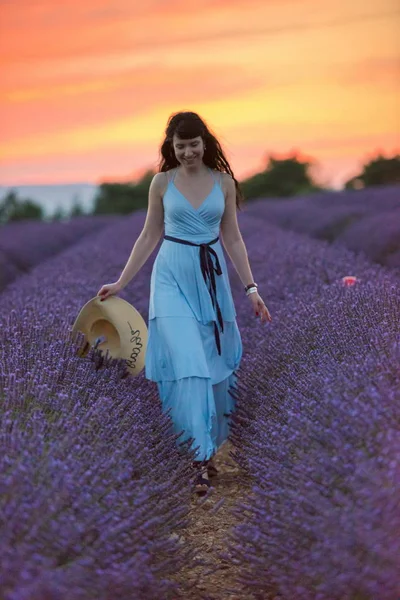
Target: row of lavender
{"points": [[365, 221], [317, 426], [87, 509], [25, 244]]}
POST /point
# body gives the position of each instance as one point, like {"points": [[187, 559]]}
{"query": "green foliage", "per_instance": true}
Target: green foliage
{"points": [[76, 210], [59, 215], [13, 208], [281, 178], [123, 198], [378, 171]]}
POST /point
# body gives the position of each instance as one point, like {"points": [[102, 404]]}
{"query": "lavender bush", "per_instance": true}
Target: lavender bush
{"points": [[85, 507], [317, 424], [24, 244], [351, 217], [377, 236]]}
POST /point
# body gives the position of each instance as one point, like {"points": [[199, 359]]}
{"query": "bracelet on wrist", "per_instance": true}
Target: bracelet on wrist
{"points": [[251, 290], [252, 284]]}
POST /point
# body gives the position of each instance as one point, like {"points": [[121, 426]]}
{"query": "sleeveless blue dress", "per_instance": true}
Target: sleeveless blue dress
{"points": [[194, 345]]}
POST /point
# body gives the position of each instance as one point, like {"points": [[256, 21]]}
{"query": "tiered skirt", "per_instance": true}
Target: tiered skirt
{"points": [[193, 380]]}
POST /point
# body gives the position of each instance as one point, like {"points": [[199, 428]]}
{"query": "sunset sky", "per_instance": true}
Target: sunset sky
{"points": [[86, 88]]}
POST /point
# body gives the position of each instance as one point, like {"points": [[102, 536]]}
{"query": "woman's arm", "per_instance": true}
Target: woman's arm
{"points": [[234, 245], [151, 232], [231, 236]]}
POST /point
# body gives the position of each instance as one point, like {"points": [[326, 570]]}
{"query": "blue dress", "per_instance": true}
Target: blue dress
{"points": [[194, 345]]}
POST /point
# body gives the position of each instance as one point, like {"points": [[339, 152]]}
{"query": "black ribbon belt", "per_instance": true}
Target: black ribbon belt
{"points": [[207, 268]]}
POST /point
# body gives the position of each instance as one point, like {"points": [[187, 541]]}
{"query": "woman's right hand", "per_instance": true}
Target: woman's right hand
{"points": [[109, 289]]}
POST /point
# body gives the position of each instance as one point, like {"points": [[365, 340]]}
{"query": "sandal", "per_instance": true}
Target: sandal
{"points": [[202, 485]]}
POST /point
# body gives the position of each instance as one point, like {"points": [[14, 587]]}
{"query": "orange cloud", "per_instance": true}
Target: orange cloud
{"points": [[85, 84]]}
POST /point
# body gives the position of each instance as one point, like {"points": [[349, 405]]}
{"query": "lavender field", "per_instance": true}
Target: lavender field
{"points": [[24, 244], [95, 497]]}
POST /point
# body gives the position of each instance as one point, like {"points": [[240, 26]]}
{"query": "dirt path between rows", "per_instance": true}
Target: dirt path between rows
{"points": [[209, 531]]}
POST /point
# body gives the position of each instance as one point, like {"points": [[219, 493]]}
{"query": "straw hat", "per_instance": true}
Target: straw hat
{"points": [[114, 325]]}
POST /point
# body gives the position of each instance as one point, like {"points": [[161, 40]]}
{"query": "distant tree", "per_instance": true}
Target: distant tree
{"points": [[76, 209], [281, 178], [59, 215], [14, 209], [8, 205], [378, 171], [123, 198]]}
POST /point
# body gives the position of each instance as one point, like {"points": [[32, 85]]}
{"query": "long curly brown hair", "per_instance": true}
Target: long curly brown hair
{"points": [[189, 125]]}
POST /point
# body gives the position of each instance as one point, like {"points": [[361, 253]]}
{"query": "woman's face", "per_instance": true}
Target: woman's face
{"points": [[188, 152]]}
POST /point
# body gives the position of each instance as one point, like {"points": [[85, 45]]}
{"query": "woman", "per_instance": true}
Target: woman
{"points": [[194, 345]]}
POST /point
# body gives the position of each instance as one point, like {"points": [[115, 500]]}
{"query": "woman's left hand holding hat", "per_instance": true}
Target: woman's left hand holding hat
{"points": [[109, 289]]}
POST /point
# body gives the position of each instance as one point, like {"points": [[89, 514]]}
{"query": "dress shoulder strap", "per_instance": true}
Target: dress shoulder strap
{"points": [[217, 176], [170, 174]]}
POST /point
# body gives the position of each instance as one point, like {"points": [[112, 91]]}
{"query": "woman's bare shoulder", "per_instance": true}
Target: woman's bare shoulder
{"points": [[162, 178]]}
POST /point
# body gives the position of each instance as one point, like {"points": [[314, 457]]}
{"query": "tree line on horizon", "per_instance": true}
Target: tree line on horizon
{"points": [[281, 178]]}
